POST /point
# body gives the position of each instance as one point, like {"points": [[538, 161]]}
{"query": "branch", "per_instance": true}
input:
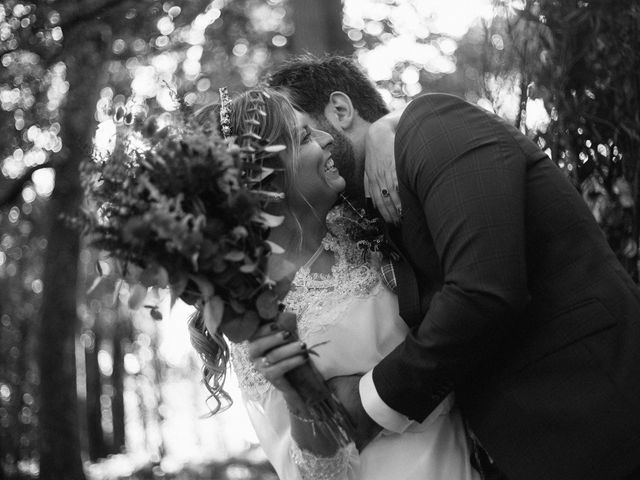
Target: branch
{"points": [[10, 192]]}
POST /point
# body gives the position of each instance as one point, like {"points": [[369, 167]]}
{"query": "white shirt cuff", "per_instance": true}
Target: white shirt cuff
{"points": [[379, 411]]}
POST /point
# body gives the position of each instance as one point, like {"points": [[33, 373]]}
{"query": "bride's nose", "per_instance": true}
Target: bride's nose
{"points": [[323, 138]]}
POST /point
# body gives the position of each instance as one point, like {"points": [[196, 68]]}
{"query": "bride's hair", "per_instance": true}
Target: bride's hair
{"points": [[278, 127]]}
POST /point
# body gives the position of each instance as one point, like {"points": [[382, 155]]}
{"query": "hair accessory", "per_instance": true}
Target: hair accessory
{"points": [[225, 112]]}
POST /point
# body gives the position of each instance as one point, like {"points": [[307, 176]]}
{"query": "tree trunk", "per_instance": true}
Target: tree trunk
{"points": [[117, 381], [95, 437], [60, 453], [319, 28]]}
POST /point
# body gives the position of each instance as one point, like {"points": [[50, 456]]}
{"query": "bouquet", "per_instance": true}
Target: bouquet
{"points": [[179, 207]]}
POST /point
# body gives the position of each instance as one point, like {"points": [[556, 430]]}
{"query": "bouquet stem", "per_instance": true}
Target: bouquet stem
{"points": [[328, 414]]}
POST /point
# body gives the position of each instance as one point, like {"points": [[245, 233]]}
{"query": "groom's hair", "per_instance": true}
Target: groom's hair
{"points": [[310, 80]]}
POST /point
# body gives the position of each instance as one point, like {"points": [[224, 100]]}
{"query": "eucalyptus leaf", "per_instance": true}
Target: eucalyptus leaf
{"points": [[248, 268], [212, 312], [241, 328], [278, 268], [137, 294], [240, 232], [269, 220], [234, 256], [274, 148], [154, 276], [275, 248], [205, 286], [177, 287], [267, 305], [94, 284]]}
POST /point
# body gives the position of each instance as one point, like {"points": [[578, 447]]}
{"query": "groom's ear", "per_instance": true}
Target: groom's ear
{"points": [[339, 111]]}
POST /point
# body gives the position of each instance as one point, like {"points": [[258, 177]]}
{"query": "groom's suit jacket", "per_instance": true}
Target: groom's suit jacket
{"points": [[524, 310]]}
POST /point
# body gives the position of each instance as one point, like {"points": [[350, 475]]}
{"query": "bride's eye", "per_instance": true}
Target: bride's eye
{"points": [[306, 136]]}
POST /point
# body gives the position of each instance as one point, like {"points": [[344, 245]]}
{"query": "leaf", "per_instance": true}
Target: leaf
{"points": [[282, 287], [205, 286], [267, 305], [234, 256], [248, 268], [219, 265], [237, 306], [241, 328], [212, 312], [154, 276], [137, 294], [131, 273], [279, 268], [622, 188], [269, 220], [96, 282], [274, 148], [177, 287], [239, 232], [274, 247], [630, 249]]}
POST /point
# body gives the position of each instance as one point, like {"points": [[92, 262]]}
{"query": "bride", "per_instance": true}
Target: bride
{"points": [[345, 315]]}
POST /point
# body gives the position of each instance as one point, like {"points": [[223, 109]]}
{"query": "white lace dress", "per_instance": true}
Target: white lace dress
{"points": [[355, 317]]}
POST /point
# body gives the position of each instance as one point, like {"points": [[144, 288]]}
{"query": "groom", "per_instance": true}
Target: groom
{"points": [[514, 299]]}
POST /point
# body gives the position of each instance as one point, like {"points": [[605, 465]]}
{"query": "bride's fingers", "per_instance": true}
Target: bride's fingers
{"points": [[274, 373], [266, 339], [281, 354]]}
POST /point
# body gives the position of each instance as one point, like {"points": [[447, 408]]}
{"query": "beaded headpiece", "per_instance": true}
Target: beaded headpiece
{"points": [[225, 112]]}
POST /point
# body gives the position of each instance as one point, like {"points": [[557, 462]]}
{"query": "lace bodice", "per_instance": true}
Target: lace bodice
{"points": [[319, 300]]}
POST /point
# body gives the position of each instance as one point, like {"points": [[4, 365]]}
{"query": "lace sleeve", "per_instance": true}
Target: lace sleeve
{"points": [[313, 467]]}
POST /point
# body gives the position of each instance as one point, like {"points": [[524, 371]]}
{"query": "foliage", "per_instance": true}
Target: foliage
{"points": [[571, 70], [588, 76], [174, 206]]}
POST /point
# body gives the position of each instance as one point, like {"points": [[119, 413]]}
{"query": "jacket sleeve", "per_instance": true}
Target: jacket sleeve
{"points": [[468, 175]]}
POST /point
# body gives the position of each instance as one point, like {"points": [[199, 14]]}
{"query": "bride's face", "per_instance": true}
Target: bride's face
{"points": [[316, 178]]}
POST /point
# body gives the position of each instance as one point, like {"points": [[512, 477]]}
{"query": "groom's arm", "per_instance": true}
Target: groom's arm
{"points": [[469, 177]]}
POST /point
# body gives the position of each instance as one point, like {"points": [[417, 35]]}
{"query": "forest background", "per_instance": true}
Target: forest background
{"points": [[92, 389]]}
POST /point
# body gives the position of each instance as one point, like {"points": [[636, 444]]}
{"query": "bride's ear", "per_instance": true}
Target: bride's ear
{"points": [[339, 111]]}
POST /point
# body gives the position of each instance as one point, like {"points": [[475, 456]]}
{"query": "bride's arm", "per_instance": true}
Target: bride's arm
{"points": [[380, 168], [315, 454]]}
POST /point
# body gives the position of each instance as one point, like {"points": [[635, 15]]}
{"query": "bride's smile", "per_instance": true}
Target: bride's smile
{"points": [[318, 180]]}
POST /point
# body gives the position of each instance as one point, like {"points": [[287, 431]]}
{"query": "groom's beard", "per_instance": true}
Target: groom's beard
{"points": [[345, 160]]}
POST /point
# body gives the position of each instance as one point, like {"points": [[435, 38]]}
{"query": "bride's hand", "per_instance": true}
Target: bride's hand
{"points": [[274, 352], [380, 167], [347, 390]]}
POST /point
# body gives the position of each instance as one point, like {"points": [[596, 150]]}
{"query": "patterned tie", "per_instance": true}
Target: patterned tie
{"points": [[388, 274]]}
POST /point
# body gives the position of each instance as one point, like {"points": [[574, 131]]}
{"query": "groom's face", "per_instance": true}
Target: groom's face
{"points": [[343, 156]]}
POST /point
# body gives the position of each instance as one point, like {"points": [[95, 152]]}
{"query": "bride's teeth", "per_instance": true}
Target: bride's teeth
{"points": [[329, 165]]}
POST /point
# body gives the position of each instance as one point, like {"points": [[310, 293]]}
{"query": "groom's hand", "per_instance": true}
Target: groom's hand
{"points": [[346, 389]]}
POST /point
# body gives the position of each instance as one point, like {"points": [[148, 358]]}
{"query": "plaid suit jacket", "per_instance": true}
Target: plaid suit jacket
{"points": [[526, 312]]}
